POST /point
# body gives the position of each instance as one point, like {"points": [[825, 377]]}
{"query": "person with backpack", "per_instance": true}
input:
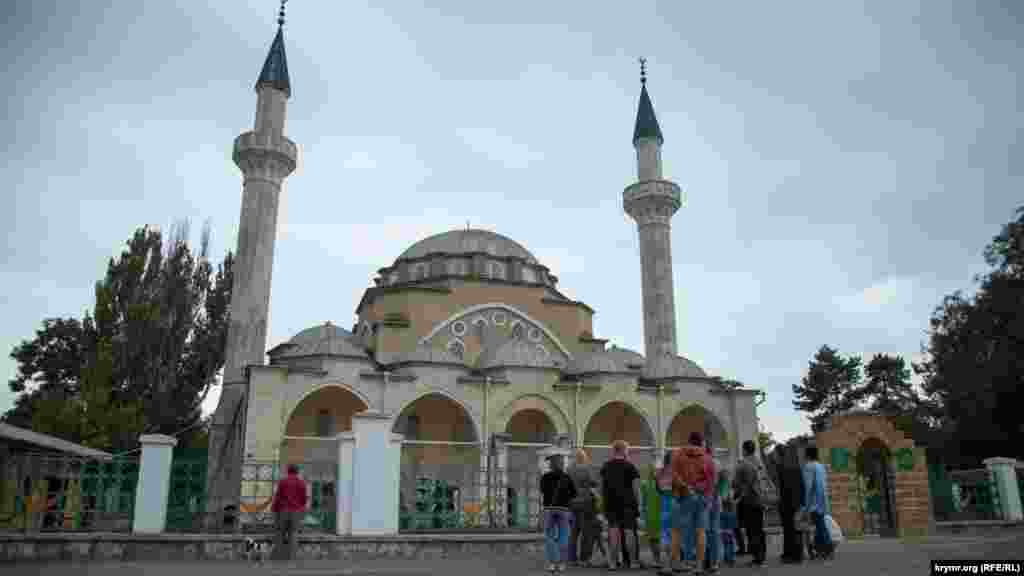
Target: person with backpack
{"points": [[558, 492], [694, 471], [748, 485]]}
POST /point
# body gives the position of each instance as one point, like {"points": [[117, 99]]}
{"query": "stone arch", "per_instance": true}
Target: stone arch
{"points": [[340, 399], [838, 448], [696, 418], [441, 408], [479, 307], [619, 420], [322, 413], [533, 403]]}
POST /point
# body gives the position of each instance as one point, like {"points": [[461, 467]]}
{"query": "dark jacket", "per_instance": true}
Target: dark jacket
{"points": [[557, 489], [791, 489]]}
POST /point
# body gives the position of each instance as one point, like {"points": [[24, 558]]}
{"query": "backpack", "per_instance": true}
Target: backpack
{"points": [[688, 466]]}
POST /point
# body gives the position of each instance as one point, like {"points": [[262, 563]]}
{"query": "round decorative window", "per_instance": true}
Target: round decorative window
{"points": [[499, 318], [517, 330], [457, 348], [534, 334], [459, 328]]}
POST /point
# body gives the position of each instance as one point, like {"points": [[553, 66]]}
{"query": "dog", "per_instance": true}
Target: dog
{"points": [[258, 552]]}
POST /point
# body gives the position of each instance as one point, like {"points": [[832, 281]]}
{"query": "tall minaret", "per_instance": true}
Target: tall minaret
{"points": [[265, 157], [652, 201]]}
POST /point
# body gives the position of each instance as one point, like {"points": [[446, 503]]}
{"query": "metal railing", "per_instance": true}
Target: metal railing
{"points": [[60, 493], [188, 509], [974, 496]]}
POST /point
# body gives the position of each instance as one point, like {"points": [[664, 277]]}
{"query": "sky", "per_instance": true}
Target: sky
{"points": [[844, 163]]}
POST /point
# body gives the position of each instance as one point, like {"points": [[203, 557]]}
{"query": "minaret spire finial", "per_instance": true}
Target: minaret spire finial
{"points": [[643, 70], [280, 14]]}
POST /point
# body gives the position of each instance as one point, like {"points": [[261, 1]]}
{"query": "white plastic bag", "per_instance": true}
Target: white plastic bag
{"points": [[834, 531]]}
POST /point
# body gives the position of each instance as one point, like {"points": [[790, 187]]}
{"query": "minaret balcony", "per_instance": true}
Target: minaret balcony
{"points": [[652, 196], [259, 151]]}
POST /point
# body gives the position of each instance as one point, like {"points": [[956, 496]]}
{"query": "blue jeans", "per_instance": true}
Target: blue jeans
{"points": [[727, 529], [667, 507], [822, 535], [714, 541], [689, 516], [556, 531]]}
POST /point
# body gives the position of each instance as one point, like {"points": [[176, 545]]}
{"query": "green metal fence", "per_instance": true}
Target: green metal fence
{"points": [[54, 493], [187, 498]]}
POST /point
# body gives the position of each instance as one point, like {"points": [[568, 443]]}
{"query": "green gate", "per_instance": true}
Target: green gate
{"points": [[186, 498]]}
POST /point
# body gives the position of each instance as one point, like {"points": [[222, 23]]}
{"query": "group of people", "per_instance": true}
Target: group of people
{"points": [[697, 513]]}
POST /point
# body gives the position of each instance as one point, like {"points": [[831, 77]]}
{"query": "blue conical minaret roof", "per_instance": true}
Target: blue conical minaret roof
{"points": [[275, 67], [646, 121]]}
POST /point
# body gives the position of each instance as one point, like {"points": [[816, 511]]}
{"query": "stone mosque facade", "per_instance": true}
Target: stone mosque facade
{"points": [[464, 342]]}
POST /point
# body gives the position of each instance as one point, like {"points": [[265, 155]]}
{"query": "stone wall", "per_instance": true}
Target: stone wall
{"points": [[911, 492], [192, 547]]}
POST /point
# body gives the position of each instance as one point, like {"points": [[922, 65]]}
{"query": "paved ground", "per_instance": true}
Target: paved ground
{"points": [[858, 558]]}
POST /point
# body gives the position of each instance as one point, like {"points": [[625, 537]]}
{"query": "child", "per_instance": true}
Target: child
{"points": [[728, 519]]}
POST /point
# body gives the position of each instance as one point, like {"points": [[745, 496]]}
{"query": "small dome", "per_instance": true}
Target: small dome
{"points": [[674, 367], [595, 362], [466, 242], [515, 353], [627, 358], [323, 339]]}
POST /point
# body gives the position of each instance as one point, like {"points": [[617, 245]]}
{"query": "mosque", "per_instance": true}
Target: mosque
{"points": [[464, 342]]}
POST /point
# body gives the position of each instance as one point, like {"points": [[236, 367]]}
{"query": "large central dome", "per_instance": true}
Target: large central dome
{"points": [[468, 241]]}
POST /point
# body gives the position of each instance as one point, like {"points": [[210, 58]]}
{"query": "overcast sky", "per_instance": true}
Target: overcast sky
{"points": [[844, 163]]}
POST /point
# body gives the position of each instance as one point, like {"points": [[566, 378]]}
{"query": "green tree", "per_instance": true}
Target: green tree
{"points": [[146, 357], [974, 368], [830, 386], [887, 385]]}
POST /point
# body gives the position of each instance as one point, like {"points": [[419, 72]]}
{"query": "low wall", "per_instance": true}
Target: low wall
{"points": [[100, 547]]}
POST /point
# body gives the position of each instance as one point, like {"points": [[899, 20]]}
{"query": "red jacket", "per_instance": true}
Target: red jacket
{"points": [[291, 495]]}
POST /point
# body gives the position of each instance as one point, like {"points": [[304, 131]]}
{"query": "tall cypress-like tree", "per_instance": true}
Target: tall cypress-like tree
{"points": [[143, 360], [830, 386]]}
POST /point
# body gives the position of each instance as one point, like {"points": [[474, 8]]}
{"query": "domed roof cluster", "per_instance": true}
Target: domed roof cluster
{"points": [[468, 241], [323, 339]]}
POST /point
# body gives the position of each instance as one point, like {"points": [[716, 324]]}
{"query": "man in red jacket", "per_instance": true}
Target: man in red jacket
{"points": [[289, 504]]}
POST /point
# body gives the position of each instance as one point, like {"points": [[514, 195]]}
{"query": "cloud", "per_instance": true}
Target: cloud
{"points": [[498, 148]]}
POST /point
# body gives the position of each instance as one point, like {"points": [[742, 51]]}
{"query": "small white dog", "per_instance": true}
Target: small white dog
{"points": [[257, 551]]}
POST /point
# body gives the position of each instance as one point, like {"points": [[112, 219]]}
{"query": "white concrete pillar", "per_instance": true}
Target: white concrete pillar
{"points": [[376, 475], [1005, 474], [346, 453], [154, 484]]}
